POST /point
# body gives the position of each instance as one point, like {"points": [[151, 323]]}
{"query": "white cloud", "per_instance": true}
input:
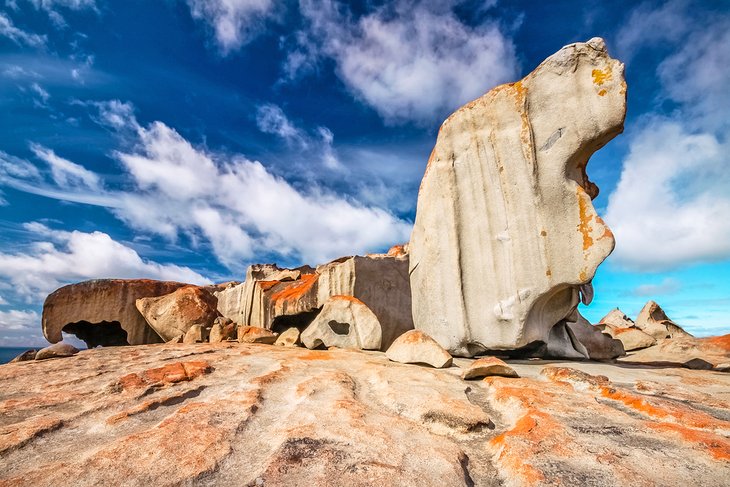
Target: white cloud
{"points": [[271, 119], [410, 61], [240, 207], [234, 22], [671, 204], [15, 320], [57, 257], [648, 26], [66, 174], [667, 286], [19, 36], [43, 94]]}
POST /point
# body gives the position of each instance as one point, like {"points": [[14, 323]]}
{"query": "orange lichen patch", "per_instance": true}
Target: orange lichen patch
{"points": [[397, 251], [298, 289], [266, 285], [169, 374], [722, 341], [600, 76], [543, 233], [570, 375], [584, 226], [511, 456], [665, 410], [583, 274], [548, 273], [315, 355], [715, 445], [602, 93], [619, 331]]}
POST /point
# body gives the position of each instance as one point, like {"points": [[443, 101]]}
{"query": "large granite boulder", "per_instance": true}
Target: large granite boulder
{"points": [[278, 299], [654, 321], [344, 322], [103, 311], [173, 314], [505, 232]]}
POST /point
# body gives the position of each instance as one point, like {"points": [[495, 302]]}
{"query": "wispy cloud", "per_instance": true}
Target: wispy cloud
{"points": [[17, 35], [667, 286], [410, 61], [234, 22]]}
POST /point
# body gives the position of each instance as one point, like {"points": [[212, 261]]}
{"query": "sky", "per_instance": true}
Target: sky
{"points": [[187, 139]]}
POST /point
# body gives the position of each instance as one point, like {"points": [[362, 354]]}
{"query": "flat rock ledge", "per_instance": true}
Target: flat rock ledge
{"points": [[252, 414]]}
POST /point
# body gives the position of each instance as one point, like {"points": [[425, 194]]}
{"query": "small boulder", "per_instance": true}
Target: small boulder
{"points": [[57, 350], [173, 314], [632, 338], [254, 334], [344, 322], [216, 333], [177, 339], [25, 356], [289, 338], [616, 319], [487, 366], [415, 347], [698, 364], [196, 334]]}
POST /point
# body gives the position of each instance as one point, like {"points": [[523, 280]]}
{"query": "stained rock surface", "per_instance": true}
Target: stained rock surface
{"points": [[278, 299], [103, 311], [415, 347], [506, 237], [245, 414]]}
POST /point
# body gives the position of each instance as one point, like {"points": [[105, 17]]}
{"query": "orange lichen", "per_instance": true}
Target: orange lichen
{"points": [[716, 445], [169, 374], [585, 216], [722, 341], [297, 289], [602, 93], [266, 285], [397, 251], [352, 299], [315, 355], [600, 76]]}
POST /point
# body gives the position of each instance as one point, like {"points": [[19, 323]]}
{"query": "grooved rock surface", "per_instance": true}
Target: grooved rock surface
{"points": [[173, 314], [344, 322], [506, 236], [232, 414], [100, 302]]}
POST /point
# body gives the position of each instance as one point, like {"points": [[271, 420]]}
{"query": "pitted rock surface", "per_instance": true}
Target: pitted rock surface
{"points": [[229, 414]]}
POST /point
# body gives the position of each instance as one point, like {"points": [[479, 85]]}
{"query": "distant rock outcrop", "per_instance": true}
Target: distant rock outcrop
{"points": [[654, 321], [623, 328], [103, 311], [506, 236]]}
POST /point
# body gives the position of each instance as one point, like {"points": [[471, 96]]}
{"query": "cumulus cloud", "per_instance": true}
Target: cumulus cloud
{"points": [[410, 61], [240, 207], [671, 204], [57, 257], [15, 320], [17, 35], [234, 22]]}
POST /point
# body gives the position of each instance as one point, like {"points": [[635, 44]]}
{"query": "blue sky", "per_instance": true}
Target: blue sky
{"points": [[185, 140]]}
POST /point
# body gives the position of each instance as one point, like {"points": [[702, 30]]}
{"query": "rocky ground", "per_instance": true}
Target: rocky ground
{"points": [[250, 414]]}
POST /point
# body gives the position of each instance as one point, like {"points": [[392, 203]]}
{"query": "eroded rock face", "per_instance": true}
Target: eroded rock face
{"points": [[279, 299], [229, 414], [654, 321], [173, 314], [505, 232], [103, 311], [344, 322]]}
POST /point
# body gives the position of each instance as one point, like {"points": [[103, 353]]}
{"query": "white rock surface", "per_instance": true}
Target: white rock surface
{"points": [[288, 338], [344, 322], [505, 231], [415, 347]]}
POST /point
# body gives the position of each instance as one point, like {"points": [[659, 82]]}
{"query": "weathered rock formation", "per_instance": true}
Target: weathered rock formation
{"points": [[505, 236], [103, 311], [254, 334], [231, 414], [575, 337], [487, 367], [279, 299], [623, 328], [344, 322], [654, 321], [682, 349], [173, 314], [57, 350]]}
